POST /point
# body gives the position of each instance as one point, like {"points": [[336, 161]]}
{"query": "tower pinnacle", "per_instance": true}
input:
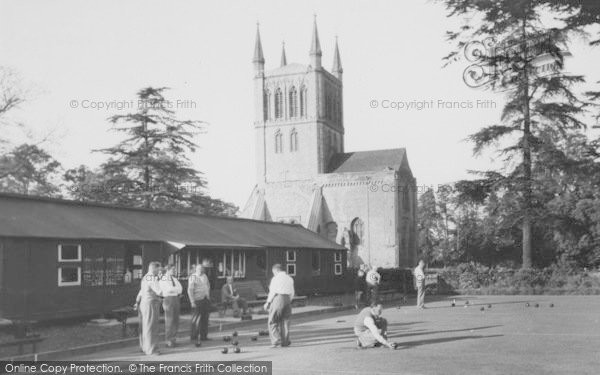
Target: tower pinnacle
{"points": [[259, 59], [315, 47], [283, 58], [337, 62]]}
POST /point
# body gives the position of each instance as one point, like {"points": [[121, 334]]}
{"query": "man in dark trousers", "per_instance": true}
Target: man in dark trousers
{"points": [[199, 294], [360, 288], [370, 327], [229, 295], [279, 306]]}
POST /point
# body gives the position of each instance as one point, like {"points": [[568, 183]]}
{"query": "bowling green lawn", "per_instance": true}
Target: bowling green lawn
{"points": [[508, 338]]}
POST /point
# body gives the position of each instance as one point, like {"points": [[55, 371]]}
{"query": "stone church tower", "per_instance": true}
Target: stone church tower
{"points": [[364, 200]]}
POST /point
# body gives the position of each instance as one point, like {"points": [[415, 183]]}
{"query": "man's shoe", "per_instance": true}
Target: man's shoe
{"points": [[358, 344]]}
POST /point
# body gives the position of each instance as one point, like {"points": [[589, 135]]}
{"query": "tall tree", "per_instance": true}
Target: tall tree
{"points": [[428, 227], [541, 109], [150, 167], [33, 172]]}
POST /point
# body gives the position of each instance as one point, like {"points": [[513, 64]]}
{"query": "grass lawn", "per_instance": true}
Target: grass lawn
{"points": [[508, 338]]}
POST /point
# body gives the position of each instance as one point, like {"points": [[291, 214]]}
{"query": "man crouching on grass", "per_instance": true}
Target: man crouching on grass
{"points": [[371, 328]]}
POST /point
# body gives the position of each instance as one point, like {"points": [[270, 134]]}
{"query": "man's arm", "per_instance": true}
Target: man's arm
{"points": [[370, 324], [190, 290]]}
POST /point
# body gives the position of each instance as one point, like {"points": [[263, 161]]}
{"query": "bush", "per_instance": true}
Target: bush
{"points": [[473, 278]]}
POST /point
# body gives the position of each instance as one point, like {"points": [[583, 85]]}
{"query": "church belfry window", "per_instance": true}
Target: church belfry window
{"points": [[293, 102], [278, 104], [294, 140], [303, 102], [267, 105], [278, 142]]}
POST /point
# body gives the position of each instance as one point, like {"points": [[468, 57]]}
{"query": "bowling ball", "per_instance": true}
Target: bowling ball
{"points": [[482, 308], [453, 304], [253, 338], [489, 306], [237, 350], [234, 334], [224, 350], [234, 343], [537, 305]]}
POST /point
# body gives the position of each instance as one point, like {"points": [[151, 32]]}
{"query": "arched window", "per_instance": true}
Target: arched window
{"points": [[357, 231], [293, 100], [278, 142], [303, 102], [267, 105], [294, 140], [278, 104]]}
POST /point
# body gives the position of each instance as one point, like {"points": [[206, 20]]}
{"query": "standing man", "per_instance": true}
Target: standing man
{"points": [[373, 280], [279, 305], [419, 277], [199, 294], [360, 286], [171, 289], [147, 304], [229, 295]]}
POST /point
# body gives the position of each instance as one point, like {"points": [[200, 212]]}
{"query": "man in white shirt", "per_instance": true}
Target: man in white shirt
{"points": [[199, 294], [171, 289], [148, 305], [419, 277], [279, 305]]}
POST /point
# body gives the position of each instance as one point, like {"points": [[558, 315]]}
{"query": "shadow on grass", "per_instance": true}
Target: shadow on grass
{"points": [[412, 344]]}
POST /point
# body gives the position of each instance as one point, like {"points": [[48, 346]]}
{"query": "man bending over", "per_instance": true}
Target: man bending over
{"points": [[371, 328]]}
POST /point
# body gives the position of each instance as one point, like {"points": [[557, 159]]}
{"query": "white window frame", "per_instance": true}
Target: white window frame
{"points": [[287, 256], [287, 269], [60, 259], [337, 257], [337, 268], [69, 283], [240, 255]]}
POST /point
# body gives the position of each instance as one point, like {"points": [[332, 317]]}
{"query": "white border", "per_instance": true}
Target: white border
{"points": [[60, 259], [335, 268], [70, 283], [287, 269]]}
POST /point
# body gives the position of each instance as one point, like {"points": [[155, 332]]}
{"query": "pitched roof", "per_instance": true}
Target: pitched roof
{"points": [[23, 216], [367, 161], [292, 68]]}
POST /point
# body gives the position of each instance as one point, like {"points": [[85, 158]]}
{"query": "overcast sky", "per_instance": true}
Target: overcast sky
{"points": [[104, 51]]}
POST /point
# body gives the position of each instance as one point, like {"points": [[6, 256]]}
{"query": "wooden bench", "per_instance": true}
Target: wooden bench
{"points": [[253, 292], [33, 340]]}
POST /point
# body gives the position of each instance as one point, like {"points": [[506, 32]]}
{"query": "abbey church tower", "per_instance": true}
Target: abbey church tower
{"points": [[298, 115], [363, 200]]}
